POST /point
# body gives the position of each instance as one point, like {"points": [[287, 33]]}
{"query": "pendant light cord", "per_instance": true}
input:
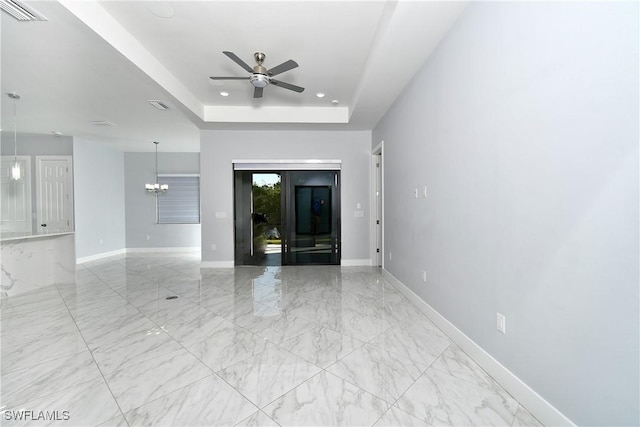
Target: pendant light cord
{"points": [[15, 130], [157, 180]]}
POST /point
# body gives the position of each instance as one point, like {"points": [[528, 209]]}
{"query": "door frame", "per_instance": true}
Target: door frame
{"points": [[70, 204], [377, 205], [282, 165]]}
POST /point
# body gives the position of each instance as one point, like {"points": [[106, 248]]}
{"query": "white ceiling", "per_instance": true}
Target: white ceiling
{"points": [[103, 60]]}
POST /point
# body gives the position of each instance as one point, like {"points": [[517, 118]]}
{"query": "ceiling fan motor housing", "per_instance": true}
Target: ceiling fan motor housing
{"points": [[260, 77]]}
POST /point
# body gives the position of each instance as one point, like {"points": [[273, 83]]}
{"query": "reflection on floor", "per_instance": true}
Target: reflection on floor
{"points": [[306, 250], [316, 345]]}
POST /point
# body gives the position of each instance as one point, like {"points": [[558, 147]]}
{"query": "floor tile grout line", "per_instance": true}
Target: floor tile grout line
{"points": [[241, 394], [282, 349], [478, 367], [157, 325], [414, 381], [106, 383], [322, 327], [257, 354], [388, 324], [395, 404], [198, 359], [164, 354]]}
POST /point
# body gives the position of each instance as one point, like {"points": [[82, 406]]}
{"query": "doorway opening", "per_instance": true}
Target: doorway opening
{"points": [[266, 218]]}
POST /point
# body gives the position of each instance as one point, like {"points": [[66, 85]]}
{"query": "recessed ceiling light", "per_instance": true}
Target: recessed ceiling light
{"points": [[320, 95], [334, 102], [224, 93]]}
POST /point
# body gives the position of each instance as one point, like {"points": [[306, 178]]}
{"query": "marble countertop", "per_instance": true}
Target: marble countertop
{"points": [[6, 237]]}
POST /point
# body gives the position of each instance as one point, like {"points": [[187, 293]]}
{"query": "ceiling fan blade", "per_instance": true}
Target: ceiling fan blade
{"points": [[238, 61], [229, 78], [257, 92], [287, 86], [285, 66]]}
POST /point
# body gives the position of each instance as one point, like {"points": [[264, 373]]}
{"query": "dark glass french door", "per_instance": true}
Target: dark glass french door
{"points": [[308, 230]]}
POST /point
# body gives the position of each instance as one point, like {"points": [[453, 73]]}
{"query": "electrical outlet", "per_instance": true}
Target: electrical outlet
{"points": [[501, 323], [148, 237], [101, 241], [424, 276], [390, 256], [213, 246]]}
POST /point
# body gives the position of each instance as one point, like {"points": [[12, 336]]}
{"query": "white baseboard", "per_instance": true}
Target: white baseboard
{"points": [[355, 262], [217, 264], [135, 250], [532, 401], [177, 249], [100, 256]]}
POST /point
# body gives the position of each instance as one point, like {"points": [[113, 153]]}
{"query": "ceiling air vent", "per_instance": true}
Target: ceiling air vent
{"points": [[21, 11], [160, 105], [101, 123]]}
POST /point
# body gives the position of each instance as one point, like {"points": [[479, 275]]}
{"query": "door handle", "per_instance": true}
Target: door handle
{"points": [[43, 225]]}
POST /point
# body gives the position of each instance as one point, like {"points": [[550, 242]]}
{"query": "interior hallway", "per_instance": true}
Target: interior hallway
{"points": [[244, 346]]}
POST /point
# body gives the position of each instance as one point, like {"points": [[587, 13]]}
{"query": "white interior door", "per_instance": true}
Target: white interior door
{"points": [[15, 196], [54, 193]]}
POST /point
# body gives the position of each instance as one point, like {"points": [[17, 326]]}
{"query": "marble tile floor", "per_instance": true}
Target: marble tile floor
{"points": [[246, 346]]}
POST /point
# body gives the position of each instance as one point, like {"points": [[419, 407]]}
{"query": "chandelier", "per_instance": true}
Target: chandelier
{"points": [[156, 188]]}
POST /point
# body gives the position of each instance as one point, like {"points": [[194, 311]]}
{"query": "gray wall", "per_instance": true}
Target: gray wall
{"points": [[219, 148], [524, 127], [139, 169], [37, 145], [99, 198]]}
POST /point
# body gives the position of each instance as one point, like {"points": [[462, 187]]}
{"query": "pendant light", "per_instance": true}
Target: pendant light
{"points": [[156, 188], [16, 169]]}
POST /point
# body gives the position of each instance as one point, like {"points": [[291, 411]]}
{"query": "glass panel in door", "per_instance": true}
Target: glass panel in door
{"points": [[311, 217]]}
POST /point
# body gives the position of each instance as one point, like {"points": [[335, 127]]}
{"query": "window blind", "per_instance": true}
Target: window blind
{"points": [[181, 203]]}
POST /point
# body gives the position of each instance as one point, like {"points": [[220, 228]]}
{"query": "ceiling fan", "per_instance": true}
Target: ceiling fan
{"points": [[260, 76]]}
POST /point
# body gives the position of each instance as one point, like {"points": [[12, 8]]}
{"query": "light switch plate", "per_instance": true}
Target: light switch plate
{"points": [[501, 323]]}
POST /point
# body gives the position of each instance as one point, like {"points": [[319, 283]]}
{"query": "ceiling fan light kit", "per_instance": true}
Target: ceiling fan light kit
{"points": [[259, 80], [261, 77]]}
